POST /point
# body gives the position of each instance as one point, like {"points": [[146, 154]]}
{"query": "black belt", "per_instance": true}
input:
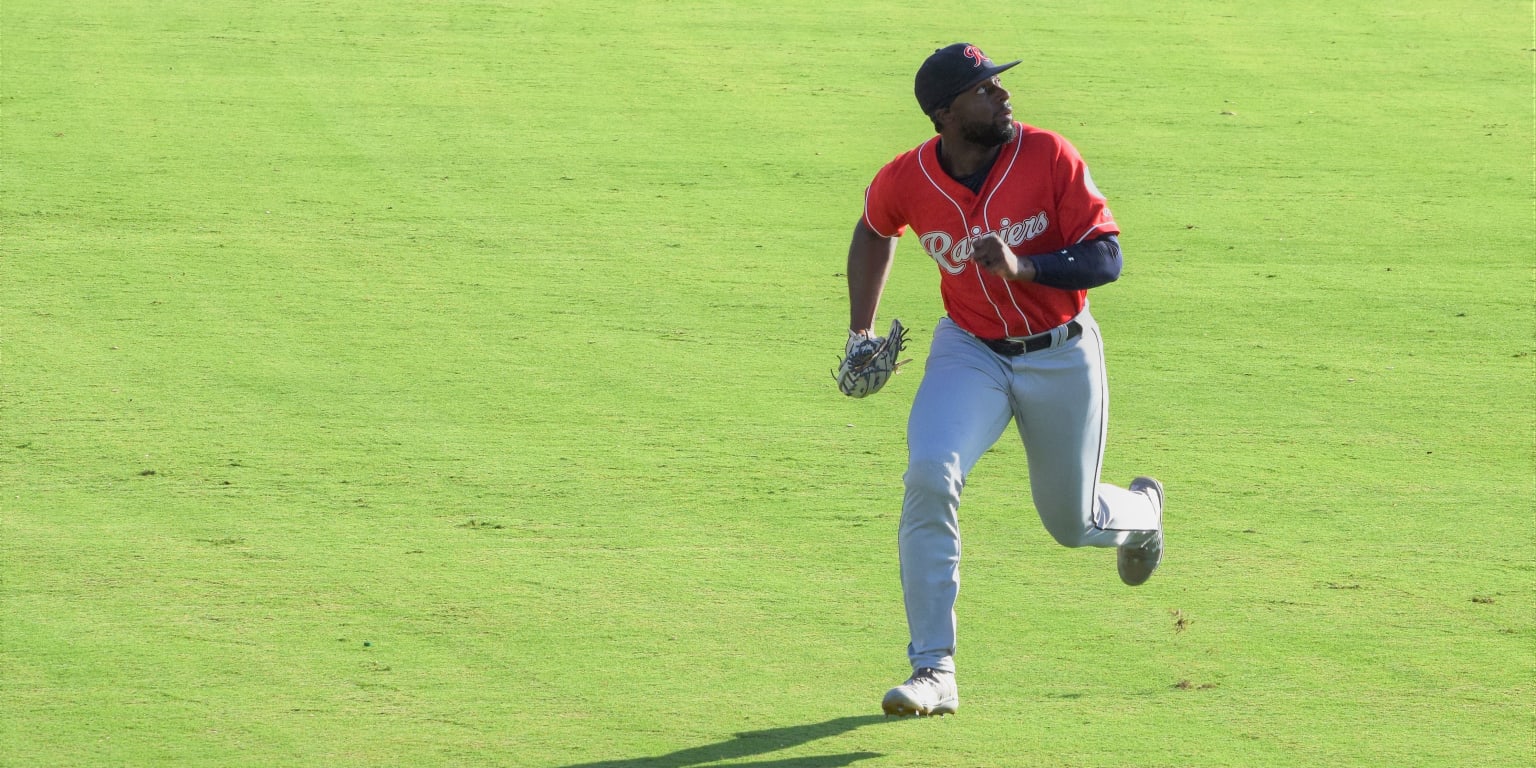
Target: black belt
{"points": [[1035, 343]]}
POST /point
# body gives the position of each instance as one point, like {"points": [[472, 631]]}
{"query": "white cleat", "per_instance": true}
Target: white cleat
{"points": [[927, 692], [1137, 563]]}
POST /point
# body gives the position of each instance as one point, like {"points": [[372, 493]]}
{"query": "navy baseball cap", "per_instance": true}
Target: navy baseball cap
{"points": [[950, 71]]}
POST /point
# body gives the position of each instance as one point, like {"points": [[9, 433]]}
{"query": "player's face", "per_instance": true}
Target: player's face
{"points": [[984, 114]]}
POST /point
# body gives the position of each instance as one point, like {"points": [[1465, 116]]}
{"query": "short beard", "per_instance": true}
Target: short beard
{"points": [[988, 134]]}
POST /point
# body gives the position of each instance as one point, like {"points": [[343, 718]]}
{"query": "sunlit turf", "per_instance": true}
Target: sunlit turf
{"points": [[446, 384]]}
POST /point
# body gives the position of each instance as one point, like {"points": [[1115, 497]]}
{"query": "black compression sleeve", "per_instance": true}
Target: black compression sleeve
{"points": [[1079, 267]]}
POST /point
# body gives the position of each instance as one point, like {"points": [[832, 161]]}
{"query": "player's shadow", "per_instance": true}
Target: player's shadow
{"points": [[754, 743]]}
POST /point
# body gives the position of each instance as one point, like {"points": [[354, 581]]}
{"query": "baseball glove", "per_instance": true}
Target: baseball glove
{"points": [[870, 361]]}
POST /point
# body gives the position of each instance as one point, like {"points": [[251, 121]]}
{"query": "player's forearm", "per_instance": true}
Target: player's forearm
{"points": [[1079, 267], [869, 264]]}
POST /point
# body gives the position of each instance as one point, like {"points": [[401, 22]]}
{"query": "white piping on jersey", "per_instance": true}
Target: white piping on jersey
{"points": [[866, 215], [965, 231], [986, 218], [1093, 229], [1018, 143]]}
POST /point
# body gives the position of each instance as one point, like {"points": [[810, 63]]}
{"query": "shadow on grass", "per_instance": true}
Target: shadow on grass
{"points": [[753, 743]]}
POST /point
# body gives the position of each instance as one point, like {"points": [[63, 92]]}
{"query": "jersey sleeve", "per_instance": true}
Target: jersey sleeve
{"points": [[882, 203], [1081, 207]]}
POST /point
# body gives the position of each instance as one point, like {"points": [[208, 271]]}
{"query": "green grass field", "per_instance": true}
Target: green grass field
{"points": [[446, 384]]}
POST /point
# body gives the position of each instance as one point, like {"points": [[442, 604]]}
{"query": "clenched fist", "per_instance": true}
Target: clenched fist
{"points": [[992, 254]]}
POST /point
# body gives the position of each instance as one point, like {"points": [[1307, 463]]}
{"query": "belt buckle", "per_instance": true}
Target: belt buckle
{"points": [[1005, 346], [1013, 346], [1019, 345]]}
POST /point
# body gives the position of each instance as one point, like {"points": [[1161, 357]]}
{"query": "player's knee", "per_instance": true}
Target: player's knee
{"points": [[1075, 533], [939, 476]]}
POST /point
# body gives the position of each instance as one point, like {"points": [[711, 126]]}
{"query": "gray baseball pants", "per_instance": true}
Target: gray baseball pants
{"points": [[1059, 400]]}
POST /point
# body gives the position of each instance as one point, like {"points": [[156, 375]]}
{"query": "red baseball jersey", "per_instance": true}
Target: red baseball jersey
{"points": [[1038, 198]]}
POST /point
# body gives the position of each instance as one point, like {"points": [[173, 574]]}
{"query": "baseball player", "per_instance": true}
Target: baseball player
{"points": [[1020, 233]]}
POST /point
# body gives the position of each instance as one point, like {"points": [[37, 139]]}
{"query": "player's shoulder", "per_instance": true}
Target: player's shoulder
{"points": [[1036, 139], [909, 161]]}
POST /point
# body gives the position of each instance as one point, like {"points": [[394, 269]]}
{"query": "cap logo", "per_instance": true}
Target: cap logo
{"points": [[974, 54]]}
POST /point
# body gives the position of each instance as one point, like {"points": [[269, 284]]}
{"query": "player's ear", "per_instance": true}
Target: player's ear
{"points": [[939, 116]]}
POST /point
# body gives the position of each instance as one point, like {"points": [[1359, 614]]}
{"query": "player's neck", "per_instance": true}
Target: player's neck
{"points": [[961, 158]]}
